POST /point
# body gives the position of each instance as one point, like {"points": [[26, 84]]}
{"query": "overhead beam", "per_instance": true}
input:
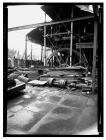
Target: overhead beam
{"points": [[56, 34], [49, 23]]}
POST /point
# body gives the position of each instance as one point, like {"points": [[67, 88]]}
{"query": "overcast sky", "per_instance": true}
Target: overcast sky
{"points": [[24, 15]]}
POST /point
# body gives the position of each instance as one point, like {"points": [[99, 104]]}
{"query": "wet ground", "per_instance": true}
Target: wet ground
{"points": [[52, 111]]}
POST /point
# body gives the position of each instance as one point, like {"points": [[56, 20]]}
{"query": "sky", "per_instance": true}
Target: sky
{"points": [[23, 15]]}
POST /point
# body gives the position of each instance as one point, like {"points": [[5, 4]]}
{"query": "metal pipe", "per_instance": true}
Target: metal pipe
{"points": [[49, 23]]}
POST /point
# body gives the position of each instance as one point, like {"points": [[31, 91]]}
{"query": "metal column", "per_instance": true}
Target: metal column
{"points": [[96, 14], [52, 59], [45, 42], [94, 54], [31, 53], [25, 51], [80, 54], [79, 42], [71, 39], [41, 53]]}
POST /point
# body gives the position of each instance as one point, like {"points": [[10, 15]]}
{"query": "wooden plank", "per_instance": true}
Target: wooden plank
{"points": [[49, 23], [84, 45]]}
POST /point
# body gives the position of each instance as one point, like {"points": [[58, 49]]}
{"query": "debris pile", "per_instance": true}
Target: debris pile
{"points": [[72, 78]]}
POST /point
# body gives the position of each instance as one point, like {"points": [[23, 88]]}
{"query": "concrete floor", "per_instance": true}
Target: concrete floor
{"points": [[52, 111]]}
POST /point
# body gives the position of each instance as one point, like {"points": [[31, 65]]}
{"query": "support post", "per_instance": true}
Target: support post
{"points": [[52, 58], [41, 53], [26, 51], [80, 52], [71, 38], [94, 54], [45, 42], [31, 53], [79, 42]]}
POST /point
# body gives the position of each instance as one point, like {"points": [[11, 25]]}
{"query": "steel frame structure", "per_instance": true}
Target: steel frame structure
{"points": [[71, 21]]}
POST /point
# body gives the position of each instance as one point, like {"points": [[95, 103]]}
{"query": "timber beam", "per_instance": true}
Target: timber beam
{"points": [[49, 23]]}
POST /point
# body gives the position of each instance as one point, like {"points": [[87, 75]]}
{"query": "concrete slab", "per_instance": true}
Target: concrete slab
{"points": [[41, 98], [75, 101], [65, 110], [15, 132], [50, 111], [33, 108], [16, 108], [92, 130], [59, 121], [44, 107], [20, 119], [54, 98], [91, 102], [87, 119]]}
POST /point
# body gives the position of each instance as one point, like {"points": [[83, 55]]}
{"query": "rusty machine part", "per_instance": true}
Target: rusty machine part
{"points": [[23, 78], [53, 82]]}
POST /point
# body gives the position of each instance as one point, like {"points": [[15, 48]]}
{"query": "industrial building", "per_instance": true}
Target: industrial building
{"points": [[64, 97]]}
